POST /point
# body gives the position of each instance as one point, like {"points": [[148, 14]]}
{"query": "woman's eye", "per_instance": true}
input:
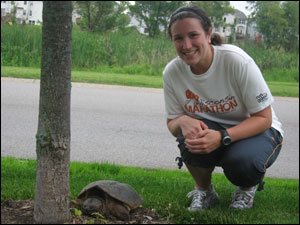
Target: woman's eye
{"points": [[177, 38]]}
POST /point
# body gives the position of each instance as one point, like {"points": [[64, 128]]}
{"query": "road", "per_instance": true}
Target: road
{"points": [[121, 125]]}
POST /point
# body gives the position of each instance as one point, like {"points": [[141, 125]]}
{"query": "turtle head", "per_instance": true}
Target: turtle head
{"points": [[92, 204]]}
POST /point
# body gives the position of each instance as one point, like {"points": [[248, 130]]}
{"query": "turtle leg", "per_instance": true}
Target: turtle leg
{"points": [[117, 208]]}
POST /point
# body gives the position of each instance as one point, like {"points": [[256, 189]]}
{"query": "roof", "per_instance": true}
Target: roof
{"points": [[240, 14]]}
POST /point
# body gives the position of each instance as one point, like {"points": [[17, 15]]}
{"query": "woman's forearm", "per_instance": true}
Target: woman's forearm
{"points": [[252, 126]]}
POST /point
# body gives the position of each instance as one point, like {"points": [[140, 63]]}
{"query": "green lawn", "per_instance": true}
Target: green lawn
{"points": [[164, 191], [89, 77], [277, 88]]}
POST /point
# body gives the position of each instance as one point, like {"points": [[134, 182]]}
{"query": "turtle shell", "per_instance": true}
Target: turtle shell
{"points": [[120, 191]]}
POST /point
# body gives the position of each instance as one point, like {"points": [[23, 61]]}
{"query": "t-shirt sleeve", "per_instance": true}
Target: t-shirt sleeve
{"points": [[172, 106], [254, 89]]}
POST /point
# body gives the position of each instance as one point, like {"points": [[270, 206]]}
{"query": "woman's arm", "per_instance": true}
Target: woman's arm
{"points": [[188, 126], [211, 139], [257, 123]]}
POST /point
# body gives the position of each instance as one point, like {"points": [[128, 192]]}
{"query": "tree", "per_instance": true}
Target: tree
{"points": [[52, 193], [101, 16], [278, 22], [291, 14], [154, 14], [270, 21], [215, 10]]}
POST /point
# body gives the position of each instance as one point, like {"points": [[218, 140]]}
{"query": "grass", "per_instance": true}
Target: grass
{"points": [[284, 88], [127, 49], [90, 77], [164, 191], [278, 88]]}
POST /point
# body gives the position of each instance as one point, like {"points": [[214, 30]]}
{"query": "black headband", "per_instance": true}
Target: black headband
{"points": [[193, 11]]}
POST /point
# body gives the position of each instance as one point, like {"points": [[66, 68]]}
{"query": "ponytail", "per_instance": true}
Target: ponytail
{"points": [[217, 39]]}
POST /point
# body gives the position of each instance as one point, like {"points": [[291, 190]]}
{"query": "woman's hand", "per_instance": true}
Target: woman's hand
{"points": [[208, 141], [192, 128], [198, 138]]}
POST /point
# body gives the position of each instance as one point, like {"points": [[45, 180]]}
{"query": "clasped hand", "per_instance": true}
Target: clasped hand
{"points": [[199, 139]]}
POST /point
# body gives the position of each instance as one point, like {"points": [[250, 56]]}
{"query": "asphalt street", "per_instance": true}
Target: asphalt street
{"points": [[121, 125]]}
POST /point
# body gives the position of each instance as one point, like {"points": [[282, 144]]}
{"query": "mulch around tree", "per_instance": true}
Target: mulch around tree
{"points": [[21, 212]]}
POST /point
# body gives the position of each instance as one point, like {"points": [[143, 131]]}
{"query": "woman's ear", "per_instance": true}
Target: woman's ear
{"points": [[209, 35]]}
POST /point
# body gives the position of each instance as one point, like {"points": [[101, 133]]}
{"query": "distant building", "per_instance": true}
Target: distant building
{"points": [[28, 12], [234, 23]]}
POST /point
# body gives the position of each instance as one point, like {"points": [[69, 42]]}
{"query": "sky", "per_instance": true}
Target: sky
{"points": [[241, 5]]}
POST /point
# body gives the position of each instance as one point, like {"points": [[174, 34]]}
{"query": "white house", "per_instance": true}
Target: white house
{"points": [[29, 12], [236, 21], [238, 18]]}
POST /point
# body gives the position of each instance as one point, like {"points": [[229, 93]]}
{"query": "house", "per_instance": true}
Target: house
{"points": [[233, 23], [29, 12], [236, 23]]}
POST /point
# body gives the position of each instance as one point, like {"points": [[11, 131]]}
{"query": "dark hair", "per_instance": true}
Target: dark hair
{"points": [[195, 12]]}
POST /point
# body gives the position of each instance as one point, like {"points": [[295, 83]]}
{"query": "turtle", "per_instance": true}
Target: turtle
{"points": [[109, 197]]}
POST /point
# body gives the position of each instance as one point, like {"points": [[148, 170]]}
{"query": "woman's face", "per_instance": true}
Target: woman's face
{"points": [[192, 43]]}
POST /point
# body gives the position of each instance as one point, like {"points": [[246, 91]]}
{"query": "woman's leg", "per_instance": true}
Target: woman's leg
{"points": [[245, 161], [202, 176]]}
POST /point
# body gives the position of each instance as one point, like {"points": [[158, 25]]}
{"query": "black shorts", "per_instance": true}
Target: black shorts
{"points": [[244, 162]]}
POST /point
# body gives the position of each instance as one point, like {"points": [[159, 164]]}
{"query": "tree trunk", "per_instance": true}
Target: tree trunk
{"points": [[52, 193]]}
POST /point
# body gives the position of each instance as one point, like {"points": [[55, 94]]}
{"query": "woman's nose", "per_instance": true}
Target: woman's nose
{"points": [[187, 43]]}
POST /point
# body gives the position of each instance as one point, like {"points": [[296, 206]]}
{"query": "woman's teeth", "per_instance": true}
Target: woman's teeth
{"points": [[190, 53]]}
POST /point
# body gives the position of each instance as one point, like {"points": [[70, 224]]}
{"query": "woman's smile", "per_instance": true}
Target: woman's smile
{"points": [[192, 44], [190, 53]]}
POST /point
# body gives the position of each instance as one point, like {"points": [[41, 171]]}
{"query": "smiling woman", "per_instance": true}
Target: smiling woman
{"points": [[191, 33], [192, 44], [210, 131]]}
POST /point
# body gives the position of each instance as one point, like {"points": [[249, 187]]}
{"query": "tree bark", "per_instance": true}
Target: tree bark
{"points": [[52, 193]]}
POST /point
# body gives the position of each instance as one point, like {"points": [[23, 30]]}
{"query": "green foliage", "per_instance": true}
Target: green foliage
{"points": [[128, 52], [101, 16], [215, 10], [153, 14], [271, 59], [278, 22], [21, 45], [77, 212], [99, 217]]}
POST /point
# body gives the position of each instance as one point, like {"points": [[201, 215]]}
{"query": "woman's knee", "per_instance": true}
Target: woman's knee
{"points": [[241, 171]]}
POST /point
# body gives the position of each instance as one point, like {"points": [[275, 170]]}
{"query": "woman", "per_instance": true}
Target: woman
{"points": [[219, 108]]}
